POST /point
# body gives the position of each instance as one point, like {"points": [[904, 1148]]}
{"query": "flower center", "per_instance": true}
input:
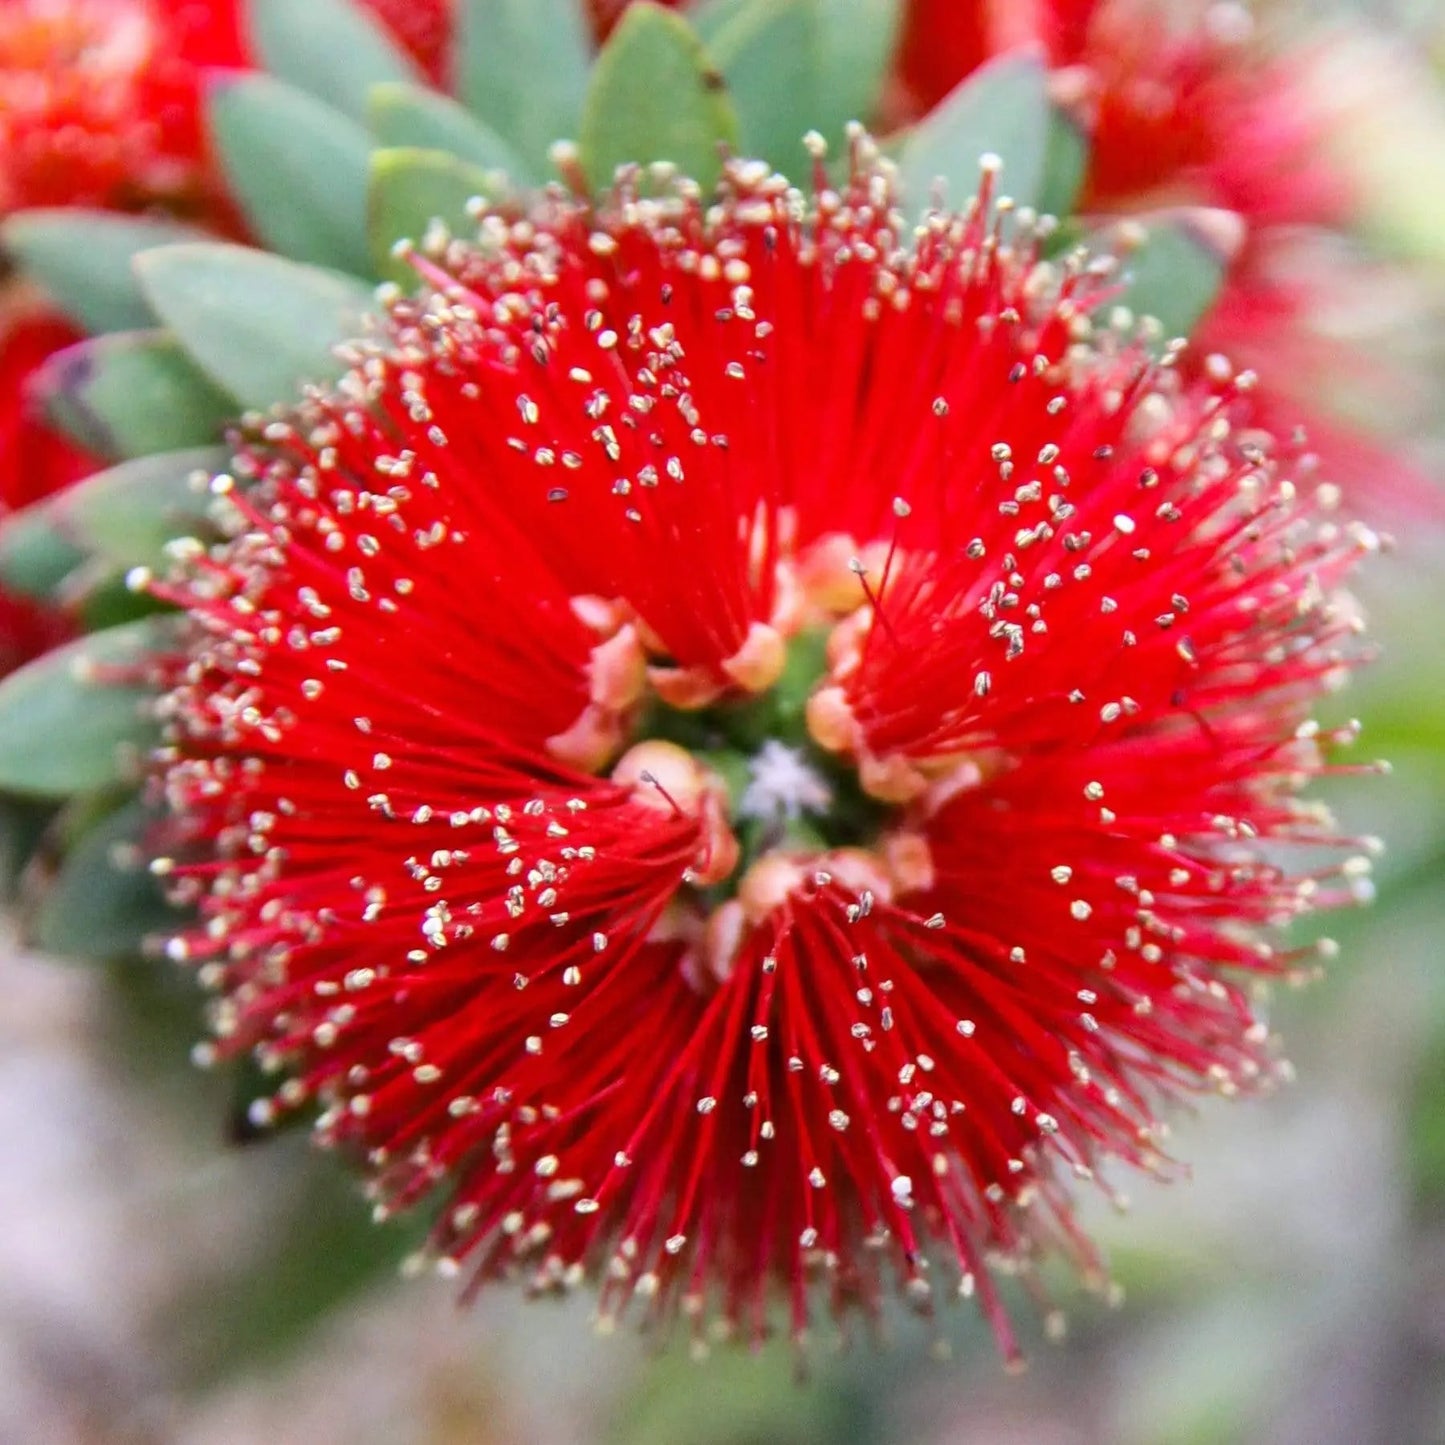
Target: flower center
{"points": [[777, 809]]}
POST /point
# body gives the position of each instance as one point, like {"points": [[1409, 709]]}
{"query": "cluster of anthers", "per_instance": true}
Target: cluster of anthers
{"points": [[745, 744]]}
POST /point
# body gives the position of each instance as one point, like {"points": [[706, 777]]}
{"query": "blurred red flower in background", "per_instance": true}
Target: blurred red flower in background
{"points": [[100, 103], [1180, 106], [742, 828]]}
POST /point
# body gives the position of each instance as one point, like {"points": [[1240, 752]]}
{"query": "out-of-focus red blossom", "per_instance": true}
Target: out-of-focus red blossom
{"points": [[1274, 314], [1180, 107], [751, 831], [100, 103], [27, 629]]}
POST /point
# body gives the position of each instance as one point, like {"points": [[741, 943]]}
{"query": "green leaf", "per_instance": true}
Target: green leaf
{"points": [[409, 190], [79, 718], [770, 54], [709, 18], [331, 49], [522, 68], [1066, 163], [1001, 109], [35, 555], [104, 902], [858, 41], [24, 823], [101, 597], [655, 96], [1175, 262], [410, 115], [82, 259], [296, 167], [127, 514], [131, 393], [258, 324]]}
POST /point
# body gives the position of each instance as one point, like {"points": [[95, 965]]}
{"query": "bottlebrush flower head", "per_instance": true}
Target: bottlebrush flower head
{"points": [[745, 752]]}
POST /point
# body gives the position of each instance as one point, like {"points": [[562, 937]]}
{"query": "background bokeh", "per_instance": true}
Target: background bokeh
{"points": [[163, 1279]]}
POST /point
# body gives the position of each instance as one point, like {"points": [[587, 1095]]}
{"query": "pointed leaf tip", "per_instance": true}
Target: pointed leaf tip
{"points": [[258, 324], [83, 261], [332, 49], [656, 96], [1002, 109], [131, 393], [521, 68], [79, 718], [296, 167]]}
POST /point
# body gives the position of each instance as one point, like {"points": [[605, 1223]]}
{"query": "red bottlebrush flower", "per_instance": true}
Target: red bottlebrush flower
{"points": [[744, 751], [99, 103], [1181, 108]]}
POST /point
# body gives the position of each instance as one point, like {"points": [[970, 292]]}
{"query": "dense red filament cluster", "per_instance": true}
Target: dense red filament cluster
{"points": [[1034, 627]]}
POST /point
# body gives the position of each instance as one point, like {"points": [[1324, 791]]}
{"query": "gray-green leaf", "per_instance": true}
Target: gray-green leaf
{"points": [[522, 68], [656, 96], [80, 718], [858, 39], [258, 324], [770, 54], [35, 554], [104, 902], [296, 167], [1175, 262], [409, 190], [411, 115], [1066, 164], [1001, 109], [82, 259], [329, 48], [127, 514], [131, 393]]}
